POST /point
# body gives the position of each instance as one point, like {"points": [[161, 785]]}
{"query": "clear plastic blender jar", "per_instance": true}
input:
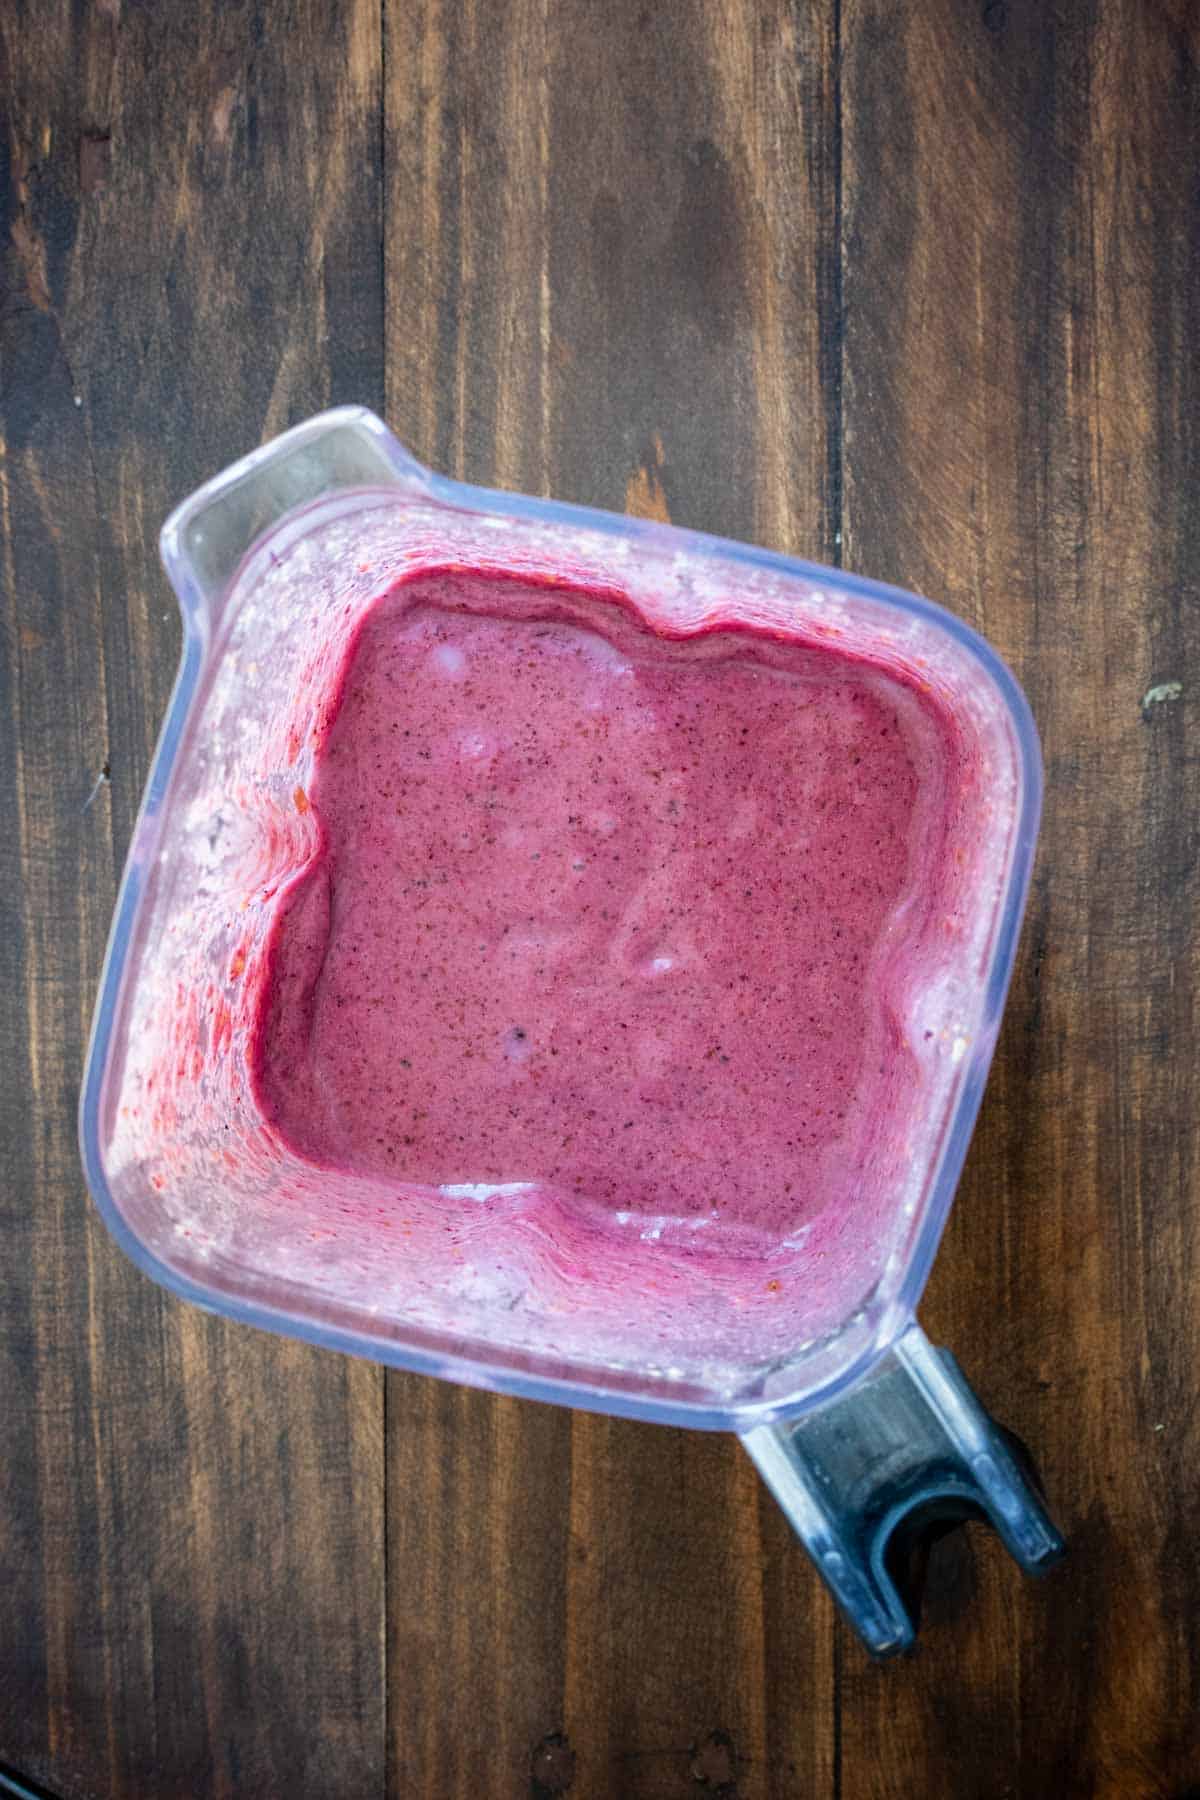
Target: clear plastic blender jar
{"points": [[863, 1430]]}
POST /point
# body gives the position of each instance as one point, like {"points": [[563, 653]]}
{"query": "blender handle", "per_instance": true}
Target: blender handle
{"points": [[906, 1450]]}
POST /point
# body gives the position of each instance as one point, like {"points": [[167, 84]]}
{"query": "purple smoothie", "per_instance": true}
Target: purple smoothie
{"points": [[614, 915]]}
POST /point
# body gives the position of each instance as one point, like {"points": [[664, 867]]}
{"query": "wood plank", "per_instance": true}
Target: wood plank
{"points": [[1021, 242], [611, 276], [477, 1486], [190, 1514]]}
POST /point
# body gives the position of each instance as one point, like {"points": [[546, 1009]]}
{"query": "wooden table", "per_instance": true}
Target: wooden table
{"points": [[913, 287]]}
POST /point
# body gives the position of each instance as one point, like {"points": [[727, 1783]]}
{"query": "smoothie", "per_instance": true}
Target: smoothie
{"points": [[613, 919]]}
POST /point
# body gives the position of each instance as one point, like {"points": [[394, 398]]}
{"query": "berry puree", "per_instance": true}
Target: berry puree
{"points": [[613, 919]]}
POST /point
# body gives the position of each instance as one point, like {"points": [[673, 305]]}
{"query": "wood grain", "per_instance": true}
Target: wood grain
{"points": [[611, 248], [190, 1513], [1020, 283], [917, 284]]}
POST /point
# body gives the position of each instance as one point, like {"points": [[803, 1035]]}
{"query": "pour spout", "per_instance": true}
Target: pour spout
{"points": [[210, 534]]}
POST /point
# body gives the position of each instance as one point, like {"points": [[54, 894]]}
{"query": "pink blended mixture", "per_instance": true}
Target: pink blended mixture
{"points": [[612, 915]]}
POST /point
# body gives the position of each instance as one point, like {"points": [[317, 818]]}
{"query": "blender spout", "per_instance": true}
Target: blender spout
{"points": [[904, 1456], [345, 451]]}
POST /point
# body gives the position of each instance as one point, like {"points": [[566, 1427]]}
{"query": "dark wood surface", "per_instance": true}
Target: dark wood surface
{"points": [[916, 287]]}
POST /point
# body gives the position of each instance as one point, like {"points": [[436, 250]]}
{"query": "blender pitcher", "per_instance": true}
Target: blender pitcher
{"points": [[863, 1430]]}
